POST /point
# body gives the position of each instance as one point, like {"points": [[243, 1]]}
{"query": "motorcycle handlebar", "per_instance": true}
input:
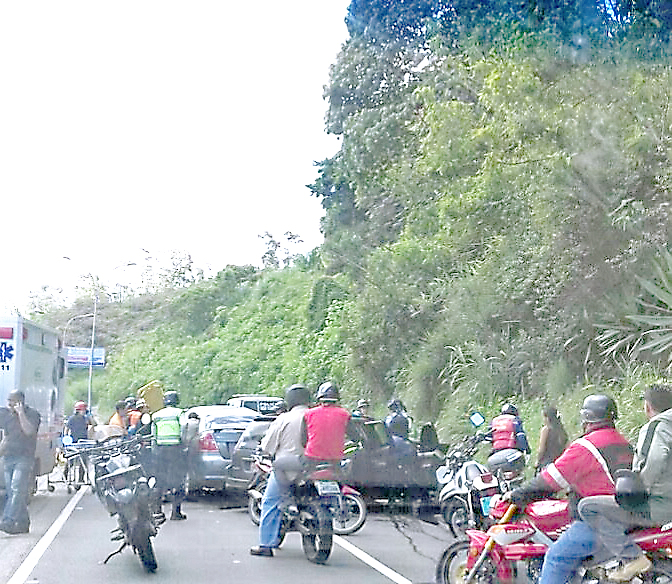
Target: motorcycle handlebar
{"points": [[117, 446]]}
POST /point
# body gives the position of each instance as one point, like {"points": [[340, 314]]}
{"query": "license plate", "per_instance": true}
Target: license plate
{"points": [[327, 488], [485, 504]]}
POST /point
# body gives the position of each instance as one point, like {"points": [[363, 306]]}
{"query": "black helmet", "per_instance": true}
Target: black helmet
{"points": [[598, 408], [170, 398], [629, 489], [297, 395], [510, 409], [395, 405], [327, 392]]}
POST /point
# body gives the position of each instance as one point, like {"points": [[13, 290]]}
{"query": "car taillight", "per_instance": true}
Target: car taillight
{"points": [[206, 441]]}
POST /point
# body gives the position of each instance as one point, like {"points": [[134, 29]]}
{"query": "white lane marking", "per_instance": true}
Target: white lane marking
{"points": [[28, 565], [371, 561]]}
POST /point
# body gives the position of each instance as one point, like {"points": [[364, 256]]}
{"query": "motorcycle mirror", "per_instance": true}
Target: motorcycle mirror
{"points": [[151, 481], [66, 440], [477, 419], [146, 419]]}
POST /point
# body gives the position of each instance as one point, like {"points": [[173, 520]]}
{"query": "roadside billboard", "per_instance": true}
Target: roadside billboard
{"points": [[80, 357]]}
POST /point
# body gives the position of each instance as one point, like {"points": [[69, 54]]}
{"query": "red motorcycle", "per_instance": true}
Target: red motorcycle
{"points": [[513, 549]]}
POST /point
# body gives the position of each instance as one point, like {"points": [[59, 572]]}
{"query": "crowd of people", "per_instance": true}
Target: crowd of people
{"points": [[302, 436]]}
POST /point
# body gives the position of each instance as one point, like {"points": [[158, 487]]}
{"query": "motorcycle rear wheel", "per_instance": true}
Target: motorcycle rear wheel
{"points": [[452, 567], [318, 541], [142, 544], [254, 509], [456, 516], [355, 515]]}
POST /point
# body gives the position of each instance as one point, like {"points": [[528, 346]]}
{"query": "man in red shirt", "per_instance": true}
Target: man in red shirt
{"points": [[324, 427], [586, 467]]}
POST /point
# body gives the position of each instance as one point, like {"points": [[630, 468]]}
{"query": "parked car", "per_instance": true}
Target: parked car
{"points": [[241, 469], [264, 404], [210, 453]]}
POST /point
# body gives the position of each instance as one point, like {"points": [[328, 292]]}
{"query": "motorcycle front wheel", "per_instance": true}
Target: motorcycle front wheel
{"points": [[456, 516], [318, 540], [452, 567], [354, 515], [142, 544]]}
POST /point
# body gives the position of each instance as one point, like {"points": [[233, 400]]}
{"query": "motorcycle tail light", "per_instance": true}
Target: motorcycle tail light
{"points": [[206, 442]]}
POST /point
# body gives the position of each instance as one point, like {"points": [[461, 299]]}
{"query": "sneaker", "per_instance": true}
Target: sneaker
{"points": [[14, 528], [260, 550], [630, 569]]}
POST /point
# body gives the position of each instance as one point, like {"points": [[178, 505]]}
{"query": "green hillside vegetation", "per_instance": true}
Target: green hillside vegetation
{"points": [[497, 228]]}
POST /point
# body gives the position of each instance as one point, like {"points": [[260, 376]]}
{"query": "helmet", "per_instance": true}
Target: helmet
{"points": [[80, 405], [629, 489], [170, 398], [396, 405], [327, 392], [598, 408], [141, 403], [130, 402], [510, 409], [297, 395]]}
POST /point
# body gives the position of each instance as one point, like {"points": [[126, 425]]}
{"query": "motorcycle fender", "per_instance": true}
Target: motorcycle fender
{"points": [[348, 490], [477, 541]]}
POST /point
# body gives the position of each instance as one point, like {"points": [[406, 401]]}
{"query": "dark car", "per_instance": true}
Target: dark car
{"points": [[240, 470], [210, 452], [386, 467]]}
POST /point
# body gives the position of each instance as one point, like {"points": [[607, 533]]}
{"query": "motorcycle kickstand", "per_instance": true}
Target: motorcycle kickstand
{"points": [[114, 553]]}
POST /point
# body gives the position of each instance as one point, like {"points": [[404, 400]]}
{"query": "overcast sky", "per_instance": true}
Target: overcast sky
{"points": [[158, 126]]}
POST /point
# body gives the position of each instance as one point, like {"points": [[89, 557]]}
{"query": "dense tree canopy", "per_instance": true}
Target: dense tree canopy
{"points": [[497, 220]]}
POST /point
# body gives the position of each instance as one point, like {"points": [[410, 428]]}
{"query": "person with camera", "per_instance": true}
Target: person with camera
{"points": [[17, 449], [611, 516]]}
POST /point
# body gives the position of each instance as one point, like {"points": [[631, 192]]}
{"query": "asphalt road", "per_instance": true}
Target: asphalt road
{"points": [[69, 539]]}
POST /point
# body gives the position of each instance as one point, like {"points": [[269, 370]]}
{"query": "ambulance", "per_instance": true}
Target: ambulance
{"points": [[33, 360]]}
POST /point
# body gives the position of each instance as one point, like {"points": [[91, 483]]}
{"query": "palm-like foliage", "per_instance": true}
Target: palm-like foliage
{"points": [[650, 330]]}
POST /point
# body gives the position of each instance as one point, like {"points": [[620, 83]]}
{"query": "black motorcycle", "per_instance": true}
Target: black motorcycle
{"points": [[316, 501], [123, 486]]}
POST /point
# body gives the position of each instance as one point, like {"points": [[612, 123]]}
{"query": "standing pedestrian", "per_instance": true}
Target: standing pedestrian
{"points": [[17, 449], [170, 455], [552, 438]]}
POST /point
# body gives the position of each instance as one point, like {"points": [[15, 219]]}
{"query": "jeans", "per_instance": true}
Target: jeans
{"points": [[564, 557], [18, 476], [610, 521], [271, 512]]}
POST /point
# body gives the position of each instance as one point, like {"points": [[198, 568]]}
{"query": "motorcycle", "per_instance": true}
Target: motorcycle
{"points": [[349, 515], [127, 492], [468, 488], [513, 550]]}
